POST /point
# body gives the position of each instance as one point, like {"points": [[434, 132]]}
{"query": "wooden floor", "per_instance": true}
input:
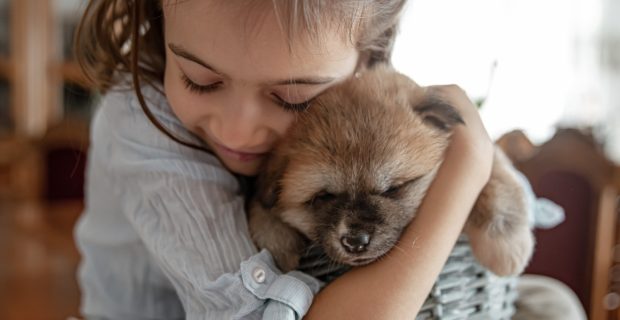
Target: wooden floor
{"points": [[38, 261]]}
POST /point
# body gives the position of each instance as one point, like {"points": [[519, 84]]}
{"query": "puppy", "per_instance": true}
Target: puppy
{"points": [[352, 171]]}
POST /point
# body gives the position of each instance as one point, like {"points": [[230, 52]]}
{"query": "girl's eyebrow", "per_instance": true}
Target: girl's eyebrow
{"points": [[181, 52]]}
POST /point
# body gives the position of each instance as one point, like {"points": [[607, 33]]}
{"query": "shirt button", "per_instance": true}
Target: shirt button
{"points": [[259, 275]]}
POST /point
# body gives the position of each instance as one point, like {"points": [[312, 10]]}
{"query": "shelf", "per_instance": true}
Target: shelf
{"points": [[5, 68]]}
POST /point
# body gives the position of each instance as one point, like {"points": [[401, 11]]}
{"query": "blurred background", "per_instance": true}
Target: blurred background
{"points": [[545, 73]]}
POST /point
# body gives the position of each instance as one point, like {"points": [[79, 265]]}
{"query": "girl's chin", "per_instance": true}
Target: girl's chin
{"points": [[245, 168]]}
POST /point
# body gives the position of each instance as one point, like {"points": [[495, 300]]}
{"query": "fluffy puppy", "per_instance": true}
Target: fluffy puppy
{"points": [[352, 171]]}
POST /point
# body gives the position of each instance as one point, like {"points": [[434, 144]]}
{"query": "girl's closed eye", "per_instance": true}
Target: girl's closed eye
{"points": [[295, 98], [198, 88], [295, 107]]}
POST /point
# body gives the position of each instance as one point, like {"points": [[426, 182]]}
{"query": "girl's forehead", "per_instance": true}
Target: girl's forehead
{"points": [[252, 44]]}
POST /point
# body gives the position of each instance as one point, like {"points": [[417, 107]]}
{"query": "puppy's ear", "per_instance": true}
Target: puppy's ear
{"points": [[268, 181], [438, 113]]}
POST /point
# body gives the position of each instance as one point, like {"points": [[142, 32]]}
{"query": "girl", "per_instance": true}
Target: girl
{"points": [[196, 94]]}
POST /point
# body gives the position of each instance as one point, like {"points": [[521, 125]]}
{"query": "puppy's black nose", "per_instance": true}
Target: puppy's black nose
{"points": [[355, 243]]}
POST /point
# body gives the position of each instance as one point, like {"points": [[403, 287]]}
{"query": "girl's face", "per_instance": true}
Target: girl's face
{"points": [[233, 81]]}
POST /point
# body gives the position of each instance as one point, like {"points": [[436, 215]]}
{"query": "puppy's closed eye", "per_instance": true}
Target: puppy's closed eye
{"points": [[393, 191], [321, 197]]}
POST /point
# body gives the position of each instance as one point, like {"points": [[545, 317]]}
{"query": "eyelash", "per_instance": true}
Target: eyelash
{"points": [[200, 89], [293, 107]]}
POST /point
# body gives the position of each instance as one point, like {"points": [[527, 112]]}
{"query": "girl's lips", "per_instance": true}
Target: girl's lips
{"points": [[241, 156]]}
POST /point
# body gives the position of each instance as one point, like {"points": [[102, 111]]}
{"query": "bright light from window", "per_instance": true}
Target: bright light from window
{"points": [[533, 43]]}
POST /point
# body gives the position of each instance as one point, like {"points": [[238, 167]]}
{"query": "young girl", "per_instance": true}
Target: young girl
{"points": [[196, 94]]}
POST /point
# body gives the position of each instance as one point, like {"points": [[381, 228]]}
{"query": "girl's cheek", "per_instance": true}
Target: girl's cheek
{"points": [[192, 109], [183, 103]]}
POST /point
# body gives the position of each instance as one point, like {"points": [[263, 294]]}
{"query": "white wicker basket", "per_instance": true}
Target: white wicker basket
{"points": [[464, 289]]}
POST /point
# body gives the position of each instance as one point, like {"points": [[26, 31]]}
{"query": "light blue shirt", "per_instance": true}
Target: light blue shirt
{"points": [[164, 234]]}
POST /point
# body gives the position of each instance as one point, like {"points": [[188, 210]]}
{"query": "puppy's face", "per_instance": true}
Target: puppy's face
{"points": [[355, 167]]}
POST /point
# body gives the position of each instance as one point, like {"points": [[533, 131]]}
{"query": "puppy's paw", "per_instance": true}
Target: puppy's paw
{"points": [[286, 261], [503, 254], [285, 245], [269, 232]]}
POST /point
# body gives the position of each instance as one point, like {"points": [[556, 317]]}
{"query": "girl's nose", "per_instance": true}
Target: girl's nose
{"points": [[241, 126]]}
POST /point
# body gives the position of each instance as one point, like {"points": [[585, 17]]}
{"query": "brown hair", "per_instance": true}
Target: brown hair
{"points": [[118, 37]]}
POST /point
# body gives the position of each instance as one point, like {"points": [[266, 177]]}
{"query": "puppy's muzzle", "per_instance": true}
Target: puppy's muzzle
{"points": [[355, 243]]}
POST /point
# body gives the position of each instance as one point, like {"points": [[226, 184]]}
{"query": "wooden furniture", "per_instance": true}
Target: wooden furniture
{"points": [[20, 170], [571, 170], [35, 68], [35, 71], [39, 260], [35, 92], [63, 159]]}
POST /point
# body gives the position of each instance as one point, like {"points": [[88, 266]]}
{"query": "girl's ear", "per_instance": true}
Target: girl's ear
{"points": [[438, 113], [268, 182]]}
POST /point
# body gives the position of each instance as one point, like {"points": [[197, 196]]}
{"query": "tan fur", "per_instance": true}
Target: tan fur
{"points": [[341, 157]]}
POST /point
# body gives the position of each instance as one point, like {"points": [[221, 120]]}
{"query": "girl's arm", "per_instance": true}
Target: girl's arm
{"points": [[396, 287]]}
